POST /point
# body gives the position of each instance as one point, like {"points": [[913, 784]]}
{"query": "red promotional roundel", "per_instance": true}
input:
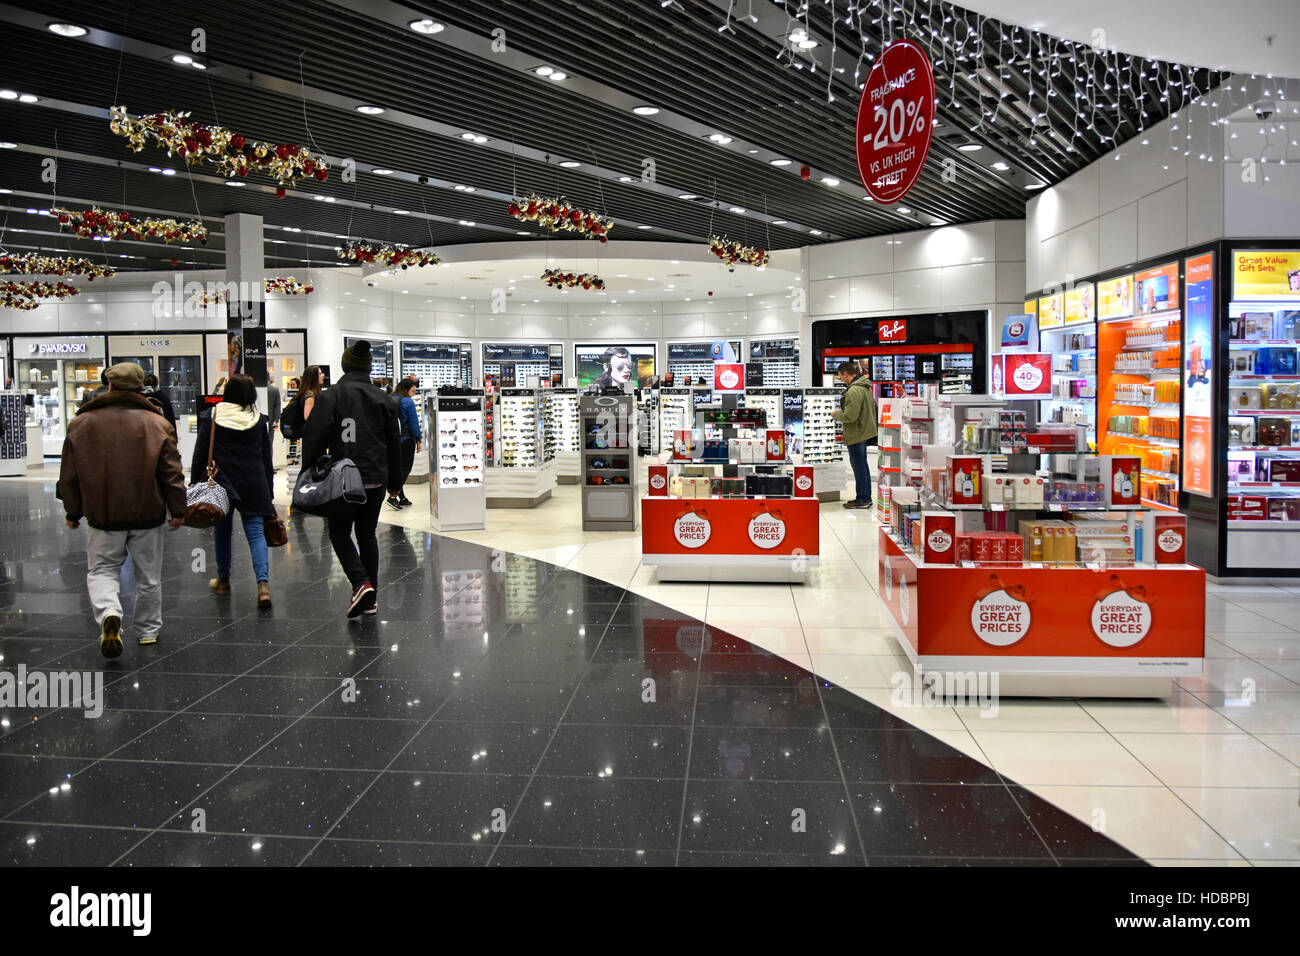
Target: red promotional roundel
{"points": [[895, 121]]}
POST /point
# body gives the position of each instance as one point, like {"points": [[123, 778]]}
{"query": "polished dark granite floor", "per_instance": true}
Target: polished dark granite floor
{"points": [[500, 711]]}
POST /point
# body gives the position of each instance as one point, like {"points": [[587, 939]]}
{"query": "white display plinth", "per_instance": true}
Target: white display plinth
{"points": [[568, 467], [35, 446], [520, 487], [829, 480]]}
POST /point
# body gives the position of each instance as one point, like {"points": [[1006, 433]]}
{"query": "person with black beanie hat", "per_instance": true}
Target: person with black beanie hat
{"points": [[355, 419]]}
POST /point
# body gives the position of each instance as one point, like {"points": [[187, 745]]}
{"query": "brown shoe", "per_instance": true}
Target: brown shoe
{"points": [[263, 595], [220, 586]]}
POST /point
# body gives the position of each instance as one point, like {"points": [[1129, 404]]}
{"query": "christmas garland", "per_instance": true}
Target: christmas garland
{"points": [[232, 153], [35, 264], [288, 285], [23, 295], [389, 255], [568, 280], [733, 252], [96, 223], [557, 215]]}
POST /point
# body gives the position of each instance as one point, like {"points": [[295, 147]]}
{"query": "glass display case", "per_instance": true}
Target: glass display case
{"points": [[57, 372]]}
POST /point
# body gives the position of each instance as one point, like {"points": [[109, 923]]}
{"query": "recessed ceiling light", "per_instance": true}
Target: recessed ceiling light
{"points": [[1001, 166], [688, 196], [468, 222], [780, 162], [28, 98], [570, 164], [737, 209], [558, 75], [370, 110], [830, 181], [3, 190], [522, 232], [401, 212], [155, 169], [721, 139], [182, 58], [382, 172], [198, 66], [643, 227], [806, 43], [938, 222], [904, 210], [8, 145], [240, 184], [1035, 185], [970, 147], [468, 136], [8, 94], [779, 222], [814, 232], [169, 172], [426, 26], [645, 110], [544, 70], [66, 29], [626, 179]]}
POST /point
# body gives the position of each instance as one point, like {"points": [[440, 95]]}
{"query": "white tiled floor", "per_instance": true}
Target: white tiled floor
{"points": [[1206, 776]]}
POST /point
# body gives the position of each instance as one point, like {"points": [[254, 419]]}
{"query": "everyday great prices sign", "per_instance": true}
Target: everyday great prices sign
{"points": [[781, 527], [895, 121], [1264, 274]]}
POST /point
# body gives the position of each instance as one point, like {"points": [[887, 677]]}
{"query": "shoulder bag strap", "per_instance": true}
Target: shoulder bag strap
{"points": [[212, 438]]}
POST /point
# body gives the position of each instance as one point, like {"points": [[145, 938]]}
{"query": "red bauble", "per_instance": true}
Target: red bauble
{"points": [[282, 152], [308, 167], [804, 172], [125, 217], [176, 262], [514, 210], [241, 171], [279, 192], [322, 174], [237, 141]]}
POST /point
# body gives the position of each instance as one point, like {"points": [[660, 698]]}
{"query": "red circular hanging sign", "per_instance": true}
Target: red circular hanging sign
{"points": [[895, 121]]}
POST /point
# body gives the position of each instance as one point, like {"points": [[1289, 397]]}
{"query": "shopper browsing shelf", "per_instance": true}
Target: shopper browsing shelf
{"points": [[858, 413], [122, 473], [241, 451], [355, 420], [409, 421]]}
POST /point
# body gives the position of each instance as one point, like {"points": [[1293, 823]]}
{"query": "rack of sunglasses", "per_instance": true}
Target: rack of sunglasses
{"points": [[676, 411], [457, 489], [564, 433], [647, 426], [609, 466], [522, 477]]}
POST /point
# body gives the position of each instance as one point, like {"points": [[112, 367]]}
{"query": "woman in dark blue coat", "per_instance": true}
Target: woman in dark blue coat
{"points": [[242, 454]]}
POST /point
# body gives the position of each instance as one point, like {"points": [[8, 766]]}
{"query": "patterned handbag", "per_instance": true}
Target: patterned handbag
{"points": [[206, 502]]}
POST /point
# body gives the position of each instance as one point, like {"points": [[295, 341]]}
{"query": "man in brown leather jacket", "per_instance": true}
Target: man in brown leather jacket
{"points": [[121, 471]]}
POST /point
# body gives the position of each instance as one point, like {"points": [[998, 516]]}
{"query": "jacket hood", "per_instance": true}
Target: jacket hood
{"points": [[236, 417], [120, 397]]}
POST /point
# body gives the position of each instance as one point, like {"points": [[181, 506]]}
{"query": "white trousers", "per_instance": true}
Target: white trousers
{"points": [[106, 552]]}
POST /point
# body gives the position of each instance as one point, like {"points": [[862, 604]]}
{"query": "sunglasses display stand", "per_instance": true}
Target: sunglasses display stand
{"points": [[13, 435], [519, 476], [822, 443], [457, 478], [609, 487], [563, 433]]}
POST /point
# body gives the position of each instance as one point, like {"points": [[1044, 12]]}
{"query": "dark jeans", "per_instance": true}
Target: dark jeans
{"points": [[363, 566], [408, 458], [861, 473]]}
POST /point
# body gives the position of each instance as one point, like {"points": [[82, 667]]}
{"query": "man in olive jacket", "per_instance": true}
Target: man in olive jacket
{"points": [[121, 471], [858, 413]]}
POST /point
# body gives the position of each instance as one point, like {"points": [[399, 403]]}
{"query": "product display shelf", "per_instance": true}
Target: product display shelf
{"points": [[456, 460], [609, 463], [1074, 376], [520, 476], [1040, 595], [567, 434], [823, 446], [889, 447], [676, 412], [647, 428], [1263, 448], [779, 361], [13, 435]]}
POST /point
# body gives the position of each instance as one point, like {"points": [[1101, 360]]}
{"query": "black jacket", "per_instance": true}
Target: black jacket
{"points": [[375, 445], [159, 396], [243, 460]]}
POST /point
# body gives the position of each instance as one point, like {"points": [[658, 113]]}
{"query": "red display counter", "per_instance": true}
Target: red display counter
{"points": [[730, 539], [1122, 625]]}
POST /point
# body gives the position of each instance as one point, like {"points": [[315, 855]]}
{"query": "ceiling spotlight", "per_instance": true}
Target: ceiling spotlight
{"points": [[241, 184], [382, 172], [779, 222], [401, 212], [626, 179], [570, 164], [780, 162], [970, 147], [645, 110], [469, 137], [155, 169], [370, 110], [426, 26], [1035, 185], [182, 59], [28, 98], [198, 66], [1001, 166], [557, 76], [643, 227], [806, 44], [468, 222], [522, 232], [830, 181], [814, 232], [544, 70], [169, 172], [938, 222], [737, 209], [8, 94], [904, 210], [688, 196], [66, 29], [722, 139]]}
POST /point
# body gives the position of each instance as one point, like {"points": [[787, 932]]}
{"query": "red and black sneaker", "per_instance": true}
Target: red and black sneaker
{"points": [[362, 598]]}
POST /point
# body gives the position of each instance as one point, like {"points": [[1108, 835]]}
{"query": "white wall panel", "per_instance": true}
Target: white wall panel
{"points": [[1262, 209], [458, 324], [1009, 239], [968, 284], [1053, 260], [871, 293], [1010, 281], [830, 295], [1162, 221], [1081, 250], [679, 326], [918, 291], [1118, 237], [855, 257]]}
